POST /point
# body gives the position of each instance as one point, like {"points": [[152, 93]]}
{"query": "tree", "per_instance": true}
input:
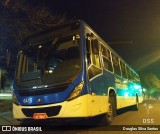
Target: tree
{"points": [[21, 18], [3, 79], [150, 82]]}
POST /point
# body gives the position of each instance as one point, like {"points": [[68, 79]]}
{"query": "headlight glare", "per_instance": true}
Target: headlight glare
{"points": [[76, 91]]}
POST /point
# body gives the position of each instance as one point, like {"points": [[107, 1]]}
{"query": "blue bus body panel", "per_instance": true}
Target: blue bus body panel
{"points": [[102, 82], [49, 98]]}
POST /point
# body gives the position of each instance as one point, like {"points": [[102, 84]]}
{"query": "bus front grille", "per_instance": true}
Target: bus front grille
{"points": [[50, 111], [29, 92]]}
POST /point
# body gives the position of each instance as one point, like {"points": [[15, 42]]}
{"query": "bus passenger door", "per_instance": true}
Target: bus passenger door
{"points": [[94, 75]]}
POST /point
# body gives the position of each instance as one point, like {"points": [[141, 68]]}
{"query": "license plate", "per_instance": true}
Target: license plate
{"points": [[39, 116]]}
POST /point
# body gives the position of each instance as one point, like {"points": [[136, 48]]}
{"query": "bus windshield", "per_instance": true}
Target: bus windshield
{"points": [[51, 63]]}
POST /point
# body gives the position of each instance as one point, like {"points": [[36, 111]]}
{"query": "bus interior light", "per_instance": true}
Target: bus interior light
{"points": [[73, 38], [50, 71], [76, 91], [40, 46]]}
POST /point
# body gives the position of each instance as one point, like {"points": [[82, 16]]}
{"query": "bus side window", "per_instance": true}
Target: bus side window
{"points": [[129, 74], [88, 51], [123, 68], [116, 65], [133, 77], [95, 53], [106, 58], [93, 59]]}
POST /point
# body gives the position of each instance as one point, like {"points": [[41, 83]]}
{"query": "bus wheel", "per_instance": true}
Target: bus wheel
{"points": [[109, 115], [111, 109], [136, 106]]}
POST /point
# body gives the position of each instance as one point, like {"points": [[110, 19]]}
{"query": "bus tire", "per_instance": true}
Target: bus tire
{"points": [[136, 106], [109, 116]]}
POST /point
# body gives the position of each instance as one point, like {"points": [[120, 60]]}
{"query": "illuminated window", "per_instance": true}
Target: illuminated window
{"points": [[116, 65], [106, 58], [95, 53], [93, 59], [123, 69]]}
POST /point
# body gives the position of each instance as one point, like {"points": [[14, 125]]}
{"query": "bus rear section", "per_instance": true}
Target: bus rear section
{"points": [[50, 79]]}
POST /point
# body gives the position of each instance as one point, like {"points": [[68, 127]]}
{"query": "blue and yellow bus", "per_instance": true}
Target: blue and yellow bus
{"points": [[70, 72]]}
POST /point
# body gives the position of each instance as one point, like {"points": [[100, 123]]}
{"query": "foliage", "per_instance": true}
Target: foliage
{"points": [[21, 18], [3, 78], [151, 82]]}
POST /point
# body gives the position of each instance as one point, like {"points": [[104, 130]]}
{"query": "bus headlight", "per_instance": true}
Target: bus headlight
{"points": [[14, 99], [76, 91]]}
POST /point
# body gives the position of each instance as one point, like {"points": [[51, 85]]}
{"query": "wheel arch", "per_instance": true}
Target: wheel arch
{"points": [[111, 90]]}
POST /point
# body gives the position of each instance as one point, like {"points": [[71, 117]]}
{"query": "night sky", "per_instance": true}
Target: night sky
{"points": [[134, 23], [130, 20]]}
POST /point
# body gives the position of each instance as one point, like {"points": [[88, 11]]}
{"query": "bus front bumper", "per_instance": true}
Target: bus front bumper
{"points": [[67, 109]]}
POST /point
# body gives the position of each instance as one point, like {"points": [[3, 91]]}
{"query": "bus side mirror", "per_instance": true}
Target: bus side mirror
{"points": [[95, 46]]}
